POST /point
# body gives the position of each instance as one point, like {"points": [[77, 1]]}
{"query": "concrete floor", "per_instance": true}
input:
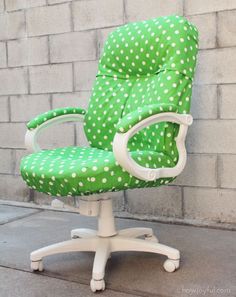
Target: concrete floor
{"points": [[208, 263]]}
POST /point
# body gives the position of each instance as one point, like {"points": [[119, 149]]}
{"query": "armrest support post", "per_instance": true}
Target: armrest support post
{"points": [[123, 157], [32, 135]]}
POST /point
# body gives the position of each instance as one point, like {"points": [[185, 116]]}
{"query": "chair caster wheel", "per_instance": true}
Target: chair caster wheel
{"points": [[152, 238], [97, 285], [171, 265], [36, 265], [73, 235]]}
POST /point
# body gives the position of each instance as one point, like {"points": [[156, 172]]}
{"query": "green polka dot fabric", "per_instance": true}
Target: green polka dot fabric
{"points": [[146, 68], [81, 171], [44, 117]]}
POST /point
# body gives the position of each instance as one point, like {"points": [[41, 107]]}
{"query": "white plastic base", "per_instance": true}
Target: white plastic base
{"points": [[103, 245]]}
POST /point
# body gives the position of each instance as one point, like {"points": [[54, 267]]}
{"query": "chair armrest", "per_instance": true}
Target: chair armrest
{"points": [[123, 157], [45, 120], [133, 118], [42, 118]]}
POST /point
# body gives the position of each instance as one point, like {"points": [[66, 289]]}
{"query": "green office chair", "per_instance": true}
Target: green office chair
{"points": [[136, 125]]}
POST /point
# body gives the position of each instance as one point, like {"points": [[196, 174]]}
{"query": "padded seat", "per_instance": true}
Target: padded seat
{"points": [[71, 171]]}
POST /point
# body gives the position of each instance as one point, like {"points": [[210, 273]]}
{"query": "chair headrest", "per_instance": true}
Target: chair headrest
{"points": [[149, 47]]}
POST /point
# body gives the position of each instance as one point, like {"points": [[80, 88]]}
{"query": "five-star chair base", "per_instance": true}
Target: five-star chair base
{"points": [[106, 241]]}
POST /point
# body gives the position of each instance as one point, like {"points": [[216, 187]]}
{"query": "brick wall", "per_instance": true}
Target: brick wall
{"points": [[48, 58]]}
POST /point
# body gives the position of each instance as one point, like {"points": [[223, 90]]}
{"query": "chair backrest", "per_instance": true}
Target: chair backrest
{"points": [[143, 63]]}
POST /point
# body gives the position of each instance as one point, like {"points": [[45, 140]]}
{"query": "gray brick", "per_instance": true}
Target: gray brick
{"points": [[74, 46], [227, 171], [22, 4], [26, 107], [3, 55], [6, 161], [48, 20], [202, 6], [97, 14], [204, 102], [13, 81], [200, 171], [13, 188], [12, 25], [137, 10], [19, 154], [214, 136], [12, 135], [4, 109], [210, 204], [79, 99], [227, 101], [206, 25], [30, 51], [227, 28], [57, 136], [216, 66], [85, 74], [162, 201], [51, 78]]}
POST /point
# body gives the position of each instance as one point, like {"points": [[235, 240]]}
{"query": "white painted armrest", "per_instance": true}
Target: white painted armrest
{"points": [[123, 156], [32, 135]]}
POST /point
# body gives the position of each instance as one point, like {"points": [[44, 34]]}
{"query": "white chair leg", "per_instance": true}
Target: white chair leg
{"points": [[105, 241], [101, 255], [99, 264], [73, 245], [83, 233], [119, 243], [137, 232]]}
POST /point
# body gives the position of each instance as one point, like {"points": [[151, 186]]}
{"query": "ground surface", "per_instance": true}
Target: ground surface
{"points": [[208, 263]]}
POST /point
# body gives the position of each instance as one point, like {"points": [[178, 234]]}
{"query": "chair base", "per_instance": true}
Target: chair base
{"points": [[91, 241]]}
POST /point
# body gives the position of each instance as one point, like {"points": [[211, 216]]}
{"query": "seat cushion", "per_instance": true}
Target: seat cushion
{"points": [[72, 171]]}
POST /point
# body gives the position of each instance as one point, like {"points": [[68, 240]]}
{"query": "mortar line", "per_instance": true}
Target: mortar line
{"points": [[217, 29], [13, 165], [72, 25], [211, 12], [184, 12], [125, 201], [6, 48], [50, 101], [73, 78], [9, 108], [218, 170], [124, 12], [49, 50], [218, 101]]}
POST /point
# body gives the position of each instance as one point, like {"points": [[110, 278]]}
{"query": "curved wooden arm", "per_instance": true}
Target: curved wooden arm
{"points": [[123, 157], [32, 135]]}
